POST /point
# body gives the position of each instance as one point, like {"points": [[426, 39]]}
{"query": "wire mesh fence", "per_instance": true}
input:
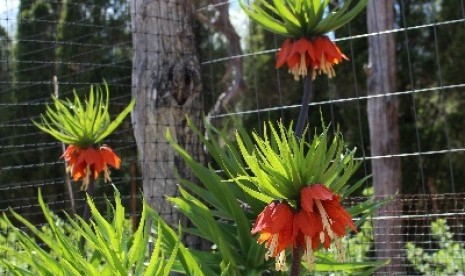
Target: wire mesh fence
{"points": [[85, 43]]}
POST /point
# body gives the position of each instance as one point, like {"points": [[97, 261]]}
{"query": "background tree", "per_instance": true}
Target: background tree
{"points": [[5, 58], [94, 44], [167, 88], [6, 93], [6, 97], [33, 71], [384, 130]]}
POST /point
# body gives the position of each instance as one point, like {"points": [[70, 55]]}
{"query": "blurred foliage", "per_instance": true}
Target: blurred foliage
{"points": [[105, 245], [32, 68], [446, 258]]}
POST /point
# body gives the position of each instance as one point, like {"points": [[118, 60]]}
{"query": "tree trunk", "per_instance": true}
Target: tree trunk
{"points": [[167, 88], [384, 132]]}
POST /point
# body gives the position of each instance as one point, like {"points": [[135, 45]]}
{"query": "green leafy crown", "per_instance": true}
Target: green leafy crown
{"points": [[301, 18], [71, 122], [282, 164]]}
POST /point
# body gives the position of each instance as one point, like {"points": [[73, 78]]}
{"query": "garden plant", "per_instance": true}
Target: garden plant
{"points": [[266, 198]]}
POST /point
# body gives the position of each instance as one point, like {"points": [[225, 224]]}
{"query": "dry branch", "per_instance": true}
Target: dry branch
{"points": [[222, 24]]}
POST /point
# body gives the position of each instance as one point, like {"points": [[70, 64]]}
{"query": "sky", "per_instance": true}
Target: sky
{"points": [[8, 11], [239, 20]]}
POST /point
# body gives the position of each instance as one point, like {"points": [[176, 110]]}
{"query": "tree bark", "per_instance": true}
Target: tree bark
{"points": [[384, 132], [167, 88]]}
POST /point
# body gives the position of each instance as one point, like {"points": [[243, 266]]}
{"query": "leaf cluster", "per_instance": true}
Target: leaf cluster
{"points": [[447, 259], [301, 18], [84, 125], [110, 247], [280, 164], [222, 212]]}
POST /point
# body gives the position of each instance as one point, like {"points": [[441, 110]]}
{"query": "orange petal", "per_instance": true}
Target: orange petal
{"points": [[275, 221], [332, 53], [283, 53], [92, 156], [308, 224], [79, 171], [340, 217], [311, 55], [301, 46], [318, 47], [81, 157], [310, 193], [71, 153], [264, 237], [293, 60], [281, 218], [264, 218], [109, 157]]}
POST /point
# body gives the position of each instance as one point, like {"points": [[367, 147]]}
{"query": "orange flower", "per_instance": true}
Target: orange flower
{"points": [[319, 203], [298, 55], [316, 55], [306, 229], [275, 226], [89, 162], [327, 54]]}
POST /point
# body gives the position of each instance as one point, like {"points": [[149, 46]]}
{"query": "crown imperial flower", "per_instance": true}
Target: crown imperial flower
{"points": [[87, 163], [303, 56], [304, 23], [83, 127], [321, 204], [320, 220], [299, 216], [307, 226], [274, 224]]}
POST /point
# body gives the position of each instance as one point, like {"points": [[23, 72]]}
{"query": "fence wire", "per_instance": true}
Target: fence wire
{"points": [[240, 83]]}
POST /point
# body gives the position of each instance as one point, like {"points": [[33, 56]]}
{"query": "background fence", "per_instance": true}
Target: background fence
{"points": [[83, 44]]}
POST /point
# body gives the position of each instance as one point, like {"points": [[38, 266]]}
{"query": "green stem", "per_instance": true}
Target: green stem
{"points": [[297, 253], [90, 192], [86, 214], [303, 115]]}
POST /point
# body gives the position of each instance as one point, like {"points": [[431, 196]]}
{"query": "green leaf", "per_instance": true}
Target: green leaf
{"points": [[297, 18], [348, 266], [139, 245], [107, 239], [189, 262], [264, 19], [72, 123], [156, 262], [200, 216], [286, 14]]}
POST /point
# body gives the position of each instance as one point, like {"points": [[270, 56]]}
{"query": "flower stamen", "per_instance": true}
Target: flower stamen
{"points": [[325, 220], [309, 256], [340, 249], [280, 264], [272, 246]]}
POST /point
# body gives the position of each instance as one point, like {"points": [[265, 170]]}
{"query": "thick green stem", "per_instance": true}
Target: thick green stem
{"points": [[86, 214], [303, 115], [297, 253], [90, 192]]}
